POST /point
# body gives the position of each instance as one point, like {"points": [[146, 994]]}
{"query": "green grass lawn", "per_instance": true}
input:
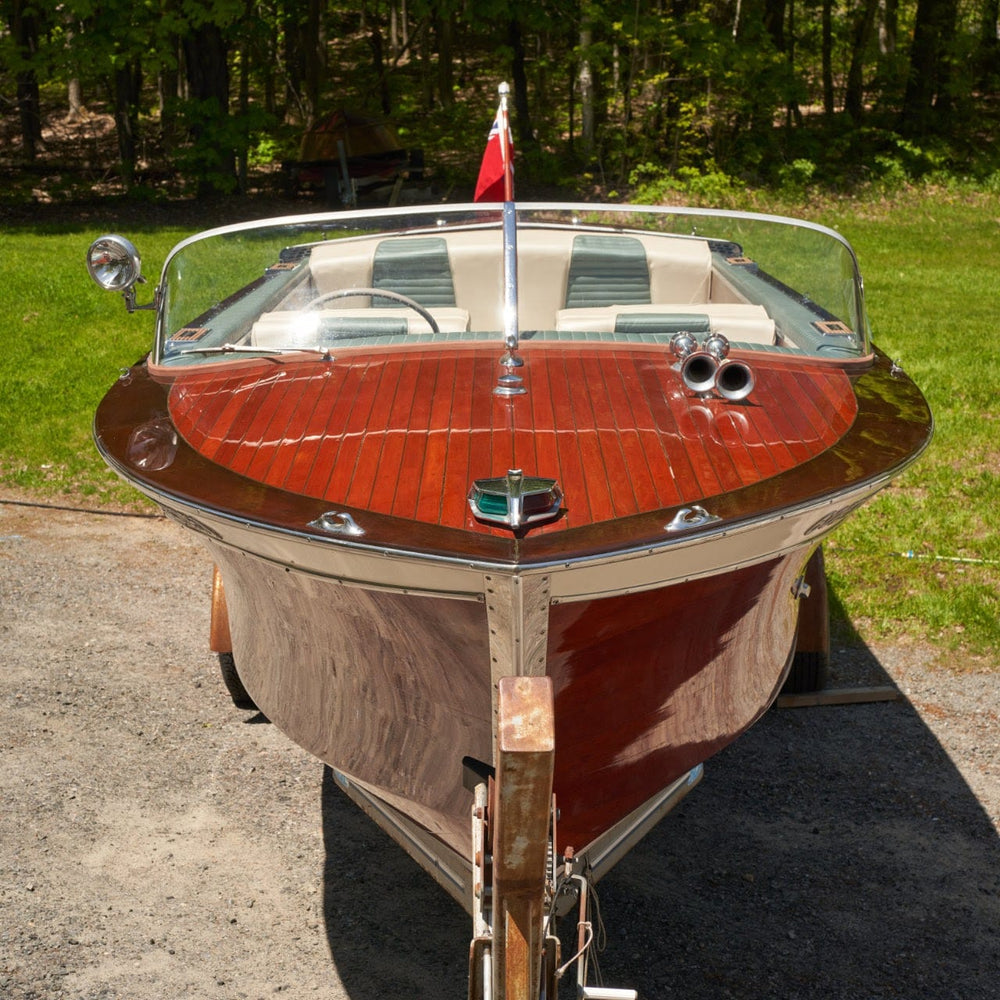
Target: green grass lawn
{"points": [[933, 288], [64, 343]]}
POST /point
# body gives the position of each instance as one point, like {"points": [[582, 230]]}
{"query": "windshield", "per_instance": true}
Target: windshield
{"points": [[364, 279]]}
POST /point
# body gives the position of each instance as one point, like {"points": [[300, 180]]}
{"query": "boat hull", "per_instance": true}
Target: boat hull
{"points": [[394, 690]]}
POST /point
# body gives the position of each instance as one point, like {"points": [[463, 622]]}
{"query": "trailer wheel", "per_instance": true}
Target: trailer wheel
{"points": [[239, 694], [811, 663]]}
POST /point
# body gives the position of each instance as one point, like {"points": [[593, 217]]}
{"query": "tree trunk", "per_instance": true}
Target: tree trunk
{"points": [[774, 22], [519, 84], [295, 103], [126, 87], [927, 87], [988, 55], [793, 115], [206, 61], [827, 47], [861, 33], [377, 47], [244, 107], [74, 98], [314, 58], [585, 82], [888, 29], [443, 28], [24, 32]]}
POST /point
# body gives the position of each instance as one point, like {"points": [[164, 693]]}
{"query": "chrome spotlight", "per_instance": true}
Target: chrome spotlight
{"points": [[115, 265]]}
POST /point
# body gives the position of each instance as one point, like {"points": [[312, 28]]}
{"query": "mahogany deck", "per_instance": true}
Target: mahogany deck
{"points": [[405, 432]]}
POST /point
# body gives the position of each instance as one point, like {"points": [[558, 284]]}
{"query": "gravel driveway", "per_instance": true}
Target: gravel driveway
{"points": [[157, 843]]}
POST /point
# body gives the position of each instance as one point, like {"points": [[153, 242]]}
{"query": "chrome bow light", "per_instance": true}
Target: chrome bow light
{"points": [[515, 500]]}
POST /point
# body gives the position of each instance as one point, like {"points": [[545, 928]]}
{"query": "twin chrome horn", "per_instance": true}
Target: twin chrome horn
{"points": [[708, 367]]}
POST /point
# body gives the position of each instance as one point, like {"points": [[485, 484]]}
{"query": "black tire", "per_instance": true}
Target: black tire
{"points": [[809, 673], [810, 669], [241, 699]]}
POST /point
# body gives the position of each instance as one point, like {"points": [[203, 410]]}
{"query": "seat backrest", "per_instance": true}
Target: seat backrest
{"points": [[607, 269], [417, 266]]}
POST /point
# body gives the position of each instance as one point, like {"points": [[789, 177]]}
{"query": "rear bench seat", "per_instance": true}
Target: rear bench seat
{"points": [[569, 282]]}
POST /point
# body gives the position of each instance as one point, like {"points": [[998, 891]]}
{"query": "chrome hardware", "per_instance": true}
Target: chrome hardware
{"points": [[733, 380], [683, 344], [800, 588], [338, 523], [710, 367], [509, 384], [691, 517], [114, 264], [896, 370], [717, 345], [515, 500], [698, 371]]}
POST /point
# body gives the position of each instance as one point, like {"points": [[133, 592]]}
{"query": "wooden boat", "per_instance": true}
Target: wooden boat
{"points": [[487, 544]]}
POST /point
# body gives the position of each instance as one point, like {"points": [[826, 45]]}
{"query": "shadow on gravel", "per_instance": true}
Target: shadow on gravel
{"points": [[393, 932], [831, 852]]}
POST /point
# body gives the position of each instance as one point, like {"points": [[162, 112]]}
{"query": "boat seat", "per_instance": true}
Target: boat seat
{"points": [[737, 321], [322, 327], [607, 269], [416, 266]]}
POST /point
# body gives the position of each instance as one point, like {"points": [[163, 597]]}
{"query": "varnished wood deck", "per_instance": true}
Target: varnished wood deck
{"points": [[405, 433]]}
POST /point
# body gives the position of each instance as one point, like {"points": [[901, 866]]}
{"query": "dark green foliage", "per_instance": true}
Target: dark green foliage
{"points": [[204, 93]]}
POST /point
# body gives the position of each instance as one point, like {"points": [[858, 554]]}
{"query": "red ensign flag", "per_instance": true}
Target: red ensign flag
{"points": [[497, 167]]}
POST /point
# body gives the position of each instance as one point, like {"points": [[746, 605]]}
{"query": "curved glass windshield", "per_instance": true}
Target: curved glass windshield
{"points": [[360, 280]]}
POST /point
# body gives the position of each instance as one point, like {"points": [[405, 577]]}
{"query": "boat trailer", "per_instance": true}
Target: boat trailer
{"points": [[520, 886]]}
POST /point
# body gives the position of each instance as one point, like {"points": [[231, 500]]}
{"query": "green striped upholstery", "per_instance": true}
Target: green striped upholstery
{"points": [[607, 270], [664, 323], [416, 266]]}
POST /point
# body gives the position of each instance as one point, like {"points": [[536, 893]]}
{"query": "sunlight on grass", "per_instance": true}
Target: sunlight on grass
{"points": [[933, 296]]}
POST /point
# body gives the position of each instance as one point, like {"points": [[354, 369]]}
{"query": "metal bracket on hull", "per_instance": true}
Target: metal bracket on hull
{"points": [[517, 614]]}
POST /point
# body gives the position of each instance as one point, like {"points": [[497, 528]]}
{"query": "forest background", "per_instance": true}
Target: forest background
{"points": [[172, 98]]}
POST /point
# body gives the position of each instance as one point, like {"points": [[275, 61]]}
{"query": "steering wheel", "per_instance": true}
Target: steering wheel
{"points": [[382, 293]]}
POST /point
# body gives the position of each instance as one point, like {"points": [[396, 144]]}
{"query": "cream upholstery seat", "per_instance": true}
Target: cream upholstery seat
{"points": [[316, 328]]}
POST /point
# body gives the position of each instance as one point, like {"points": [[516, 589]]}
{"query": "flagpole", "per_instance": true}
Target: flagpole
{"points": [[511, 358]]}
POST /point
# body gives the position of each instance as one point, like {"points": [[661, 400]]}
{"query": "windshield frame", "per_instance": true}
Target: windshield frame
{"points": [[424, 218]]}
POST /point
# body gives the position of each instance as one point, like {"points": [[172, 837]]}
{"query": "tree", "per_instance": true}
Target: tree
{"points": [[23, 23], [862, 30], [928, 96]]}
